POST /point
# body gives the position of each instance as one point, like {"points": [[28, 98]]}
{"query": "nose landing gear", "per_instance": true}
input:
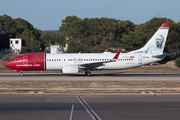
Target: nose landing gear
{"points": [[21, 73]]}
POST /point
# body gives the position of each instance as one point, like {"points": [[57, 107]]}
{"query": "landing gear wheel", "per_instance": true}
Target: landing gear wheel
{"points": [[88, 73], [21, 73]]}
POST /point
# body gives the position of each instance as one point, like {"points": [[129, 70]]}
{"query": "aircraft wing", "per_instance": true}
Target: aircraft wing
{"points": [[98, 64]]}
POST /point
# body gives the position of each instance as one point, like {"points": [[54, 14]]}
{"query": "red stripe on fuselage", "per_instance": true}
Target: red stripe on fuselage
{"points": [[28, 62]]}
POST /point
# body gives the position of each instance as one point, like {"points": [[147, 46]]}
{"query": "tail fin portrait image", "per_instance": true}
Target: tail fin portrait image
{"points": [[157, 42]]}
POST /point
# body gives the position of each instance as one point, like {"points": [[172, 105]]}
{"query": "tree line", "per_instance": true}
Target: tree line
{"points": [[97, 34], [88, 34], [33, 40]]}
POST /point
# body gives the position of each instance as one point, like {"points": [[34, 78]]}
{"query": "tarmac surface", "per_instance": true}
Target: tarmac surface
{"points": [[89, 107], [94, 77], [37, 106]]}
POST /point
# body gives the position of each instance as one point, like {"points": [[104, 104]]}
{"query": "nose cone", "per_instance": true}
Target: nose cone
{"points": [[7, 64]]}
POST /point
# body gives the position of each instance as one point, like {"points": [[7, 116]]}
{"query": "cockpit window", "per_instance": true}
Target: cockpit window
{"points": [[13, 59]]}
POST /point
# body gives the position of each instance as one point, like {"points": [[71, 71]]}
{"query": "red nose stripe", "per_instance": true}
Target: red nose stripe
{"points": [[27, 62]]}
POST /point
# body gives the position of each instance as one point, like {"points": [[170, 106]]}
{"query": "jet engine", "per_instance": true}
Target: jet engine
{"points": [[70, 69]]}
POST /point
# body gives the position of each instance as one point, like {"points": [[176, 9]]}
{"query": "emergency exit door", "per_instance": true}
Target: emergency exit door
{"points": [[140, 59]]}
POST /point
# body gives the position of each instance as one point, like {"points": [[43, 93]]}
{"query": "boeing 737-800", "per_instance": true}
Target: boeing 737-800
{"points": [[75, 62]]}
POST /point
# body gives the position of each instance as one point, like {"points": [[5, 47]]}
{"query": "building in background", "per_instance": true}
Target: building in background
{"points": [[15, 45], [56, 49]]}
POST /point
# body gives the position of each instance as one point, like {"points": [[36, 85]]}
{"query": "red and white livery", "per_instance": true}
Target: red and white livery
{"points": [[73, 63]]}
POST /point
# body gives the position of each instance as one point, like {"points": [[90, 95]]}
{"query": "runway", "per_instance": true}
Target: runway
{"points": [[105, 107], [88, 106], [94, 77]]}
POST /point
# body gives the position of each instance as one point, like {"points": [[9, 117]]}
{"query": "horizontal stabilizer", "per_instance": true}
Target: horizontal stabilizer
{"points": [[163, 55]]}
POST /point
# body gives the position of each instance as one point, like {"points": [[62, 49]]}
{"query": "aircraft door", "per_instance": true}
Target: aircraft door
{"points": [[140, 59], [75, 60], [25, 60]]}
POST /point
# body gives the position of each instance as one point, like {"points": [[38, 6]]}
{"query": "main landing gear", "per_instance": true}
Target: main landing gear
{"points": [[88, 73]]}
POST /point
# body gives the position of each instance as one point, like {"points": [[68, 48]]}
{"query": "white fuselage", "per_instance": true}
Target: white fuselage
{"points": [[124, 61]]}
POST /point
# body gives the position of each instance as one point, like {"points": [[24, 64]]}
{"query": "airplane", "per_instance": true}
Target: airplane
{"points": [[73, 63]]}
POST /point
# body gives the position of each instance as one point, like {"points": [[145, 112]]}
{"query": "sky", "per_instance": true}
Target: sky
{"points": [[48, 14]]}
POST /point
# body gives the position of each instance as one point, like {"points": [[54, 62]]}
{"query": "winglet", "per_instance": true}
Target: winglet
{"points": [[106, 50], [117, 55]]}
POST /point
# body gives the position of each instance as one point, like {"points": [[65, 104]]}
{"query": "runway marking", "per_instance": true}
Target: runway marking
{"points": [[71, 112], [88, 108]]}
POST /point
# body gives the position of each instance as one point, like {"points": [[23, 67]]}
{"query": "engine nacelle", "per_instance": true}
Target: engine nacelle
{"points": [[70, 69]]}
